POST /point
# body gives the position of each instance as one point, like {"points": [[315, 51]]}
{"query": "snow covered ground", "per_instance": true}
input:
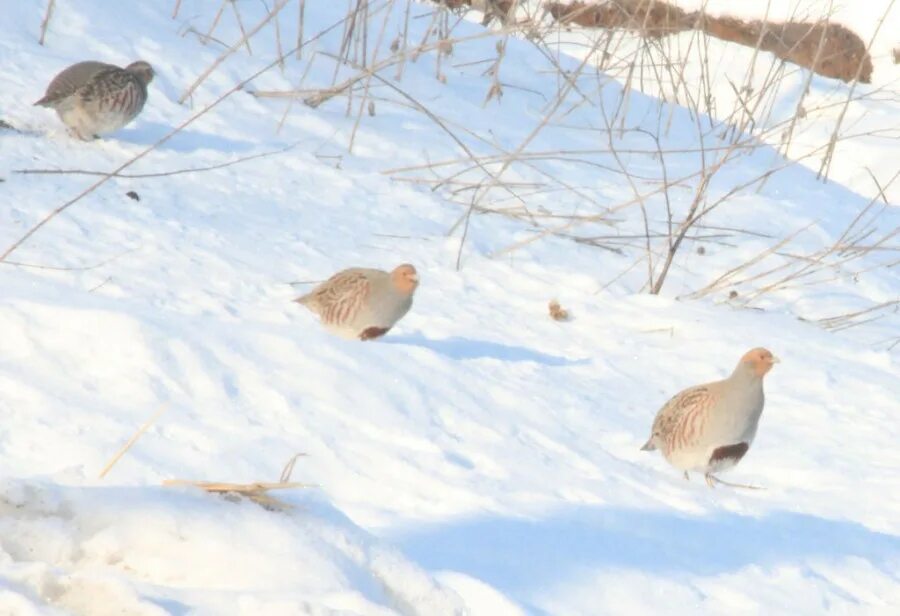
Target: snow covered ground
{"points": [[482, 458]]}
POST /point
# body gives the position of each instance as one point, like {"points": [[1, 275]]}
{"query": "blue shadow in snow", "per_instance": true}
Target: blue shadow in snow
{"points": [[518, 555], [170, 606], [147, 133], [466, 348]]}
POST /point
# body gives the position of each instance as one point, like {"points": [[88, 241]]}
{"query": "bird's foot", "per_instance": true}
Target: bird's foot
{"points": [[712, 480]]}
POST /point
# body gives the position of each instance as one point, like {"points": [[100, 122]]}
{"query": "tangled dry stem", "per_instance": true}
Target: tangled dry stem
{"points": [[480, 180]]}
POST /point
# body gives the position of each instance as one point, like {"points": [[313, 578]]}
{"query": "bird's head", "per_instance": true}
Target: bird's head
{"points": [[142, 70], [405, 278], [758, 361]]}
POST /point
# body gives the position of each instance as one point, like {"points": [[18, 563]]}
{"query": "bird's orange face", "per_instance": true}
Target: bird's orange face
{"points": [[405, 278], [759, 360]]}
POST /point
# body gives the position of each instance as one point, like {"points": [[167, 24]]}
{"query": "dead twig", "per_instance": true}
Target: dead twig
{"points": [[257, 491]]}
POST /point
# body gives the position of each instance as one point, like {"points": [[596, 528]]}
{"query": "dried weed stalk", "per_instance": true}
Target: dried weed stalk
{"points": [[257, 491]]}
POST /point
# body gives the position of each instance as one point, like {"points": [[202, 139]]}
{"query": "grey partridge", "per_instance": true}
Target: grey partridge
{"points": [[709, 428], [94, 98], [363, 303]]}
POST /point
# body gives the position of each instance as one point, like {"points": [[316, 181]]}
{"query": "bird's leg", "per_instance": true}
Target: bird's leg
{"points": [[711, 481], [74, 132], [686, 477]]}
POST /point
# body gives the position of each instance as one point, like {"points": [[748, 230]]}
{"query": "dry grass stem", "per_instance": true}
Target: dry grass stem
{"points": [[48, 14], [158, 174], [215, 22], [240, 21], [288, 469], [280, 4], [257, 492], [160, 410]]}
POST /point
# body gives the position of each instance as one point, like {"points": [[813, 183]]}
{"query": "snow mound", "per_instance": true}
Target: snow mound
{"points": [[156, 551]]}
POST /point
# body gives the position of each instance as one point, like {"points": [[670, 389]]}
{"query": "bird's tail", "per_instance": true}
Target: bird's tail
{"points": [[649, 445]]}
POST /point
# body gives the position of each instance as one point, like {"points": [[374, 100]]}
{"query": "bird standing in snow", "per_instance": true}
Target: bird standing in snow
{"points": [[709, 428], [363, 303], [93, 98]]}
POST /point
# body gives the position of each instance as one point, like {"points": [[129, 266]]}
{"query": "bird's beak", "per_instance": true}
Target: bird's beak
{"points": [[414, 278], [775, 360]]}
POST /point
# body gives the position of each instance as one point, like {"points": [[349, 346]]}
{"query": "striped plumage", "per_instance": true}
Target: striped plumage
{"points": [[709, 428], [363, 303], [94, 98]]}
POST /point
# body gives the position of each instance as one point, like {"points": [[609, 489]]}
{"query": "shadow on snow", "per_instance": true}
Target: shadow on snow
{"points": [[467, 348], [148, 133], [517, 555]]}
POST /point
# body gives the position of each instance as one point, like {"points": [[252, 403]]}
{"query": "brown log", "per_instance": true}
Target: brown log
{"points": [[843, 53], [648, 18]]}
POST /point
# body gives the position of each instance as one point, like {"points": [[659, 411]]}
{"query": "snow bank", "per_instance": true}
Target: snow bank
{"points": [[154, 551]]}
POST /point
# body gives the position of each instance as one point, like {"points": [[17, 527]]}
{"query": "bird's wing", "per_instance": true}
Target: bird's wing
{"points": [[680, 420], [338, 300], [119, 87], [69, 80]]}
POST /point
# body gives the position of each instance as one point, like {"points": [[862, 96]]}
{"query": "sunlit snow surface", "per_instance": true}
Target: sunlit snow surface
{"points": [[482, 457]]}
